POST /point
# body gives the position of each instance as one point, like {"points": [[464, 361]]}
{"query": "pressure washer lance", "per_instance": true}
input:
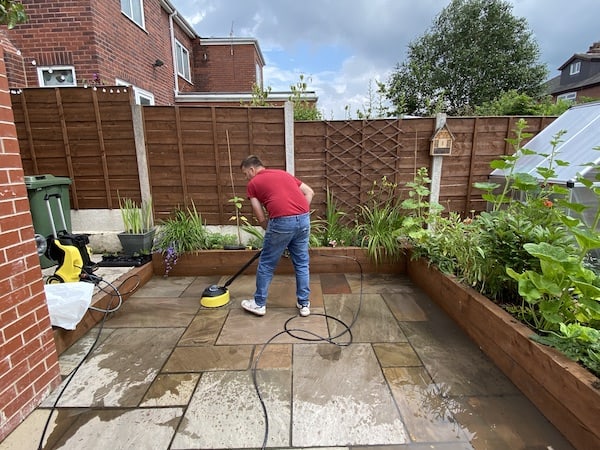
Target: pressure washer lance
{"points": [[214, 296]]}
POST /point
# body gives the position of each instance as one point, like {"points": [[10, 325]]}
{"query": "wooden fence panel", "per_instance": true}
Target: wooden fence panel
{"points": [[189, 150], [83, 134], [350, 156], [88, 135]]}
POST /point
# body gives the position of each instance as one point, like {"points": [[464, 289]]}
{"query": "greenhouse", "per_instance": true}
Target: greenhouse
{"points": [[578, 144]]}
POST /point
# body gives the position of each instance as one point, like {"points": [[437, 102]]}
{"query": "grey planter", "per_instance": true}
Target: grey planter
{"points": [[137, 243]]}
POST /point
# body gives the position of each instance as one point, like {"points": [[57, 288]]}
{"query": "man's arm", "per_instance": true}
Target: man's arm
{"points": [[259, 212], [307, 192]]}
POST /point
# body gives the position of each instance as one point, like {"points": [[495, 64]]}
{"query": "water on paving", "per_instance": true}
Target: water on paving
{"points": [[170, 374]]}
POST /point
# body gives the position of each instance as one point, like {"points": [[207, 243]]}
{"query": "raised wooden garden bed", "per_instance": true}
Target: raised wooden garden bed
{"points": [[322, 260], [566, 393]]}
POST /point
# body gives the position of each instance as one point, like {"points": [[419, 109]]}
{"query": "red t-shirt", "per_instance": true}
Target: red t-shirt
{"points": [[279, 192]]}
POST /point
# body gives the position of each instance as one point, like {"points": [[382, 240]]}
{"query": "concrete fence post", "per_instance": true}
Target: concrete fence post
{"points": [[140, 150], [288, 115], [436, 165]]}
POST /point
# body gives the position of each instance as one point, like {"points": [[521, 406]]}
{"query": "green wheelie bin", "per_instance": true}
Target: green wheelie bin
{"points": [[48, 188]]}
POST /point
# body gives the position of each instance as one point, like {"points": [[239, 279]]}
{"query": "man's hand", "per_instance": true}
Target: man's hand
{"points": [[259, 213]]}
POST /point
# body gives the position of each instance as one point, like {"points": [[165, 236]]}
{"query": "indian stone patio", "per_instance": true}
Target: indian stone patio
{"points": [[170, 374]]}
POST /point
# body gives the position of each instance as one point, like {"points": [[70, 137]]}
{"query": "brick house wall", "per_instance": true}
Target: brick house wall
{"points": [[106, 47], [28, 363], [101, 43], [220, 66]]}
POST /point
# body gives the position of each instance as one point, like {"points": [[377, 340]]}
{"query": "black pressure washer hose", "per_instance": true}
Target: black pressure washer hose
{"points": [[287, 330], [316, 338]]}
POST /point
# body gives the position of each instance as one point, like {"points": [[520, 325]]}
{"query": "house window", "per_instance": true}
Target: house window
{"points": [[141, 96], [575, 68], [259, 81], [56, 76], [568, 96], [183, 60], [134, 9]]}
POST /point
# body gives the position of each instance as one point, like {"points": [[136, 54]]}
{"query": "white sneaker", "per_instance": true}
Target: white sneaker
{"points": [[304, 309], [251, 306]]}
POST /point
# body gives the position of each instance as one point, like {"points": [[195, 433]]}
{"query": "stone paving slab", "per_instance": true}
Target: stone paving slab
{"points": [[225, 412], [411, 380], [120, 370], [341, 398], [375, 322], [242, 326], [142, 428]]}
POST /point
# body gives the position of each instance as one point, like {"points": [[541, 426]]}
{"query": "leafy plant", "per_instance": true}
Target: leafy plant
{"points": [[259, 96], [237, 217], [527, 252], [561, 292], [137, 219], [379, 220], [12, 13], [257, 236], [578, 342], [420, 213], [220, 240], [303, 110], [184, 232], [332, 231]]}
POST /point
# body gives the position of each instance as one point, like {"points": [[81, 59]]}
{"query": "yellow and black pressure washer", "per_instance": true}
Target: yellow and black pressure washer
{"points": [[70, 251]]}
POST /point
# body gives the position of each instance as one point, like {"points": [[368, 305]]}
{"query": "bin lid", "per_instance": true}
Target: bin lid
{"points": [[40, 181]]}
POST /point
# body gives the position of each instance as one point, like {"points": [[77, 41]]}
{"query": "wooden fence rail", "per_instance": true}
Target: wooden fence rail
{"points": [[90, 136]]}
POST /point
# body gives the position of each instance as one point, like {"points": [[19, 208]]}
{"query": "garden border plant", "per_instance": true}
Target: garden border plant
{"points": [[186, 232], [527, 254]]}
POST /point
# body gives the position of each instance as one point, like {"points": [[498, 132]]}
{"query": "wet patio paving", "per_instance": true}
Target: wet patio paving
{"points": [[169, 374]]}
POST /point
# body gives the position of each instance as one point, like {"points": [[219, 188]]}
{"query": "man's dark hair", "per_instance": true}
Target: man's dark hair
{"points": [[251, 161]]}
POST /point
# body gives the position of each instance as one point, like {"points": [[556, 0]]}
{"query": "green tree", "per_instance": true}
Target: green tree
{"points": [[12, 13], [474, 51]]}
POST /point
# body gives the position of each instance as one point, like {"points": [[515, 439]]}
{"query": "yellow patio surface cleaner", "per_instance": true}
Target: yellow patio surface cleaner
{"points": [[215, 296]]}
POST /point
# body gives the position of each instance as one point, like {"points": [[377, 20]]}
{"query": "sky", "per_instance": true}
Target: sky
{"points": [[342, 47]]}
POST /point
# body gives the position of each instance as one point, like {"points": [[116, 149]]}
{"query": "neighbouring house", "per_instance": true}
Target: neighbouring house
{"points": [[145, 44], [579, 77]]}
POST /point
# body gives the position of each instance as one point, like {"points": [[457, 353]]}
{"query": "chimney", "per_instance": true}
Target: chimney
{"points": [[594, 48]]}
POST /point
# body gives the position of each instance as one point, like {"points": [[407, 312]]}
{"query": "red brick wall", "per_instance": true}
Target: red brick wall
{"points": [[47, 39], [96, 38], [28, 361], [592, 92], [227, 68]]}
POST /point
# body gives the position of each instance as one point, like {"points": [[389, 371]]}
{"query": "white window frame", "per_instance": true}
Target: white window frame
{"points": [[567, 97], [138, 93], [259, 80], [56, 71], [575, 68], [182, 60], [134, 10]]}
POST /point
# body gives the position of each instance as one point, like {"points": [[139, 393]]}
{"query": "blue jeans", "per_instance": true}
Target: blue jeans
{"points": [[291, 232]]}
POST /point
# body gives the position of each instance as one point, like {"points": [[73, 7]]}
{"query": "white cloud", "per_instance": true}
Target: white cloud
{"points": [[367, 38]]}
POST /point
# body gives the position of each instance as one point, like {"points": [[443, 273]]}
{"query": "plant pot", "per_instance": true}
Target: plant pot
{"points": [[565, 392], [137, 243]]}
